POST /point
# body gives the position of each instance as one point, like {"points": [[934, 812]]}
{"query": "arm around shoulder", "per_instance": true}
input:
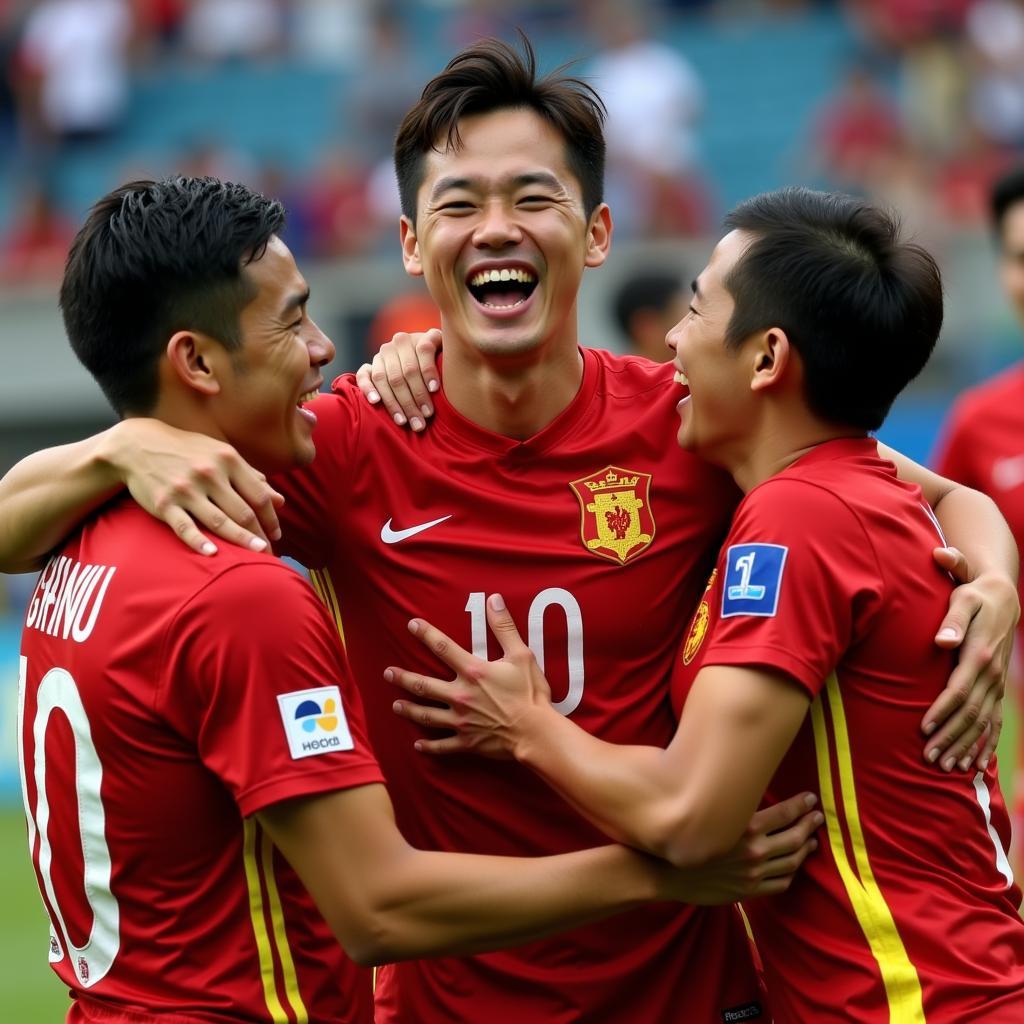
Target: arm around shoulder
{"points": [[46, 495]]}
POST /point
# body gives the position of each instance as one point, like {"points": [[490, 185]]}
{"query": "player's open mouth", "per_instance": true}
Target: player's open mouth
{"points": [[300, 406], [681, 378], [502, 289]]}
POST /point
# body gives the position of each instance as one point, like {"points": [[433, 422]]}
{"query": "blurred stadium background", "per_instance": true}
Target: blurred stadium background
{"points": [[919, 103]]}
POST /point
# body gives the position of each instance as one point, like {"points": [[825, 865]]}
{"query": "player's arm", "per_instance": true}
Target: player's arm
{"points": [[333, 820], [387, 901], [689, 803], [402, 376], [183, 478], [963, 724]]}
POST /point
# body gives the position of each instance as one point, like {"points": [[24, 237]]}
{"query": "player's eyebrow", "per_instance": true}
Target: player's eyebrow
{"points": [[539, 178], [295, 301], [696, 289]]}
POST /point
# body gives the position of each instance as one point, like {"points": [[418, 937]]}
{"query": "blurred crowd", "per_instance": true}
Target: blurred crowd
{"points": [[926, 111]]}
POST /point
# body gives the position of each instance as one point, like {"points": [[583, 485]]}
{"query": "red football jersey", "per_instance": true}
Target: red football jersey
{"points": [[982, 446], [599, 533], [165, 698], [908, 911]]}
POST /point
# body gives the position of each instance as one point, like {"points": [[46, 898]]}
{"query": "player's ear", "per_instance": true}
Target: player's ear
{"points": [[410, 247], [772, 359], [195, 359], [599, 236]]}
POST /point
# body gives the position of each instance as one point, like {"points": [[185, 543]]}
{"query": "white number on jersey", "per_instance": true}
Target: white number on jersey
{"points": [[58, 690], [476, 606]]}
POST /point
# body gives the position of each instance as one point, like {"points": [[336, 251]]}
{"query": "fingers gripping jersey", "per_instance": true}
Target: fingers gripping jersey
{"points": [[908, 912], [165, 699], [598, 531]]}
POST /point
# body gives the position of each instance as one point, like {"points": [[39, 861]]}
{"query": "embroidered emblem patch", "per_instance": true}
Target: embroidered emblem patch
{"points": [[616, 521], [699, 625]]}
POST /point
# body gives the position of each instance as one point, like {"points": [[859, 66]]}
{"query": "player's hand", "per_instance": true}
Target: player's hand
{"points": [[964, 723], [403, 376], [193, 482], [765, 860], [488, 703]]}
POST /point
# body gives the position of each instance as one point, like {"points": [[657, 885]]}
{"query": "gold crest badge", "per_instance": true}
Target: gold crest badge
{"points": [[699, 626], [616, 521]]}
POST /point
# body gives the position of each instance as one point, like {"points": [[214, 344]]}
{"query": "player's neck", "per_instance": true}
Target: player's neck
{"points": [[782, 437], [516, 400]]}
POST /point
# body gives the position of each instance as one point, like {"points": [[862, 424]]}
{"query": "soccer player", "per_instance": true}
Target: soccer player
{"points": [[981, 440], [183, 719], [533, 441], [811, 650]]}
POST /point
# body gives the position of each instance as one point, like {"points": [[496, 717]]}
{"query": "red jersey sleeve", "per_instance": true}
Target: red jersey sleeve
{"points": [[255, 678], [800, 582], [315, 494], [952, 455]]}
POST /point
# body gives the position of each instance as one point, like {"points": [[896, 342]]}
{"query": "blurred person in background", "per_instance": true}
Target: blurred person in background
{"points": [[646, 306], [654, 99], [856, 130], [72, 70], [36, 242], [224, 30], [982, 440]]}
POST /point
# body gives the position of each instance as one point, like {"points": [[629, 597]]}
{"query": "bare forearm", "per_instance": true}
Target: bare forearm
{"points": [[971, 522], [46, 495], [457, 904], [626, 791]]}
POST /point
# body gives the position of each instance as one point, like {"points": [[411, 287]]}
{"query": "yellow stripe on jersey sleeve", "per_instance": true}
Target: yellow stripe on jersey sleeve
{"points": [[259, 926], [899, 976], [324, 586], [284, 952]]}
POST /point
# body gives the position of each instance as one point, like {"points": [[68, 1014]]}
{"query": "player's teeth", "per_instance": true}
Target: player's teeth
{"points": [[680, 377], [504, 274]]}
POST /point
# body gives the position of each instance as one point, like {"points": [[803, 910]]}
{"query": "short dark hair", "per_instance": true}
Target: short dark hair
{"points": [[1006, 192], [861, 306], [155, 257], [646, 289], [491, 75]]}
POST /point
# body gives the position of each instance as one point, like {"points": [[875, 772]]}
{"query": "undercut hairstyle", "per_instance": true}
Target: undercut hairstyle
{"points": [[489, 76], [861, 306], [154, 258], [1006, 192]]}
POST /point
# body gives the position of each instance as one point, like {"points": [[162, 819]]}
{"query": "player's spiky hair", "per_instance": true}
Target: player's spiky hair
{"points": [[488, 76], [153, 258]]}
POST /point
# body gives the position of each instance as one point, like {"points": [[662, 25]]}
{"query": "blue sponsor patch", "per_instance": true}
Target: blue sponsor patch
{"points": [[753, 578]]}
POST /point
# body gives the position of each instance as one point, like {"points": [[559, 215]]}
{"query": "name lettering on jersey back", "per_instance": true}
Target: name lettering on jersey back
{"points": [[68, 598]]}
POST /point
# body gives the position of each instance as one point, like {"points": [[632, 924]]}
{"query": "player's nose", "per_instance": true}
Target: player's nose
{"points": [[321, 348]]}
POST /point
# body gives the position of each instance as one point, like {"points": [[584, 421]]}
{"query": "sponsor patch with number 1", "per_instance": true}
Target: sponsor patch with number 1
{"points": [[753, 579]]}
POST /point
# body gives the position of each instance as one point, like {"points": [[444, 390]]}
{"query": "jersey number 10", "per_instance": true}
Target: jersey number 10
{"points": [[553, 596]]}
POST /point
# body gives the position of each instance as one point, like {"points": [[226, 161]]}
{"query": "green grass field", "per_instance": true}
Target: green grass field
{"points": [[30, 992]]}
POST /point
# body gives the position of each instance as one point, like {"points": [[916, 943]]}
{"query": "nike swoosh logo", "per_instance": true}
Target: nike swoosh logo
{"points": [[390, 536]]}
